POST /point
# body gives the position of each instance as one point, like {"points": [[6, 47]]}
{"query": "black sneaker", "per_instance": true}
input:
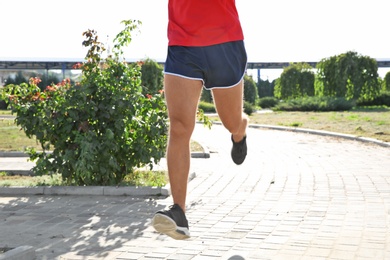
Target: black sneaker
{"points": [[172, 222], [239, 151]]}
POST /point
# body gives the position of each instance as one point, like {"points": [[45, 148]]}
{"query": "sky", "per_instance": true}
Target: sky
{"points": [[275, 30]]}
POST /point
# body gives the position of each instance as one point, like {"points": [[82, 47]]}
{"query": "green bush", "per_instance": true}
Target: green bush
{"points": [[382, 99], [17, 80], [348, 75], [248, 108], [268, 102], [206, 96], [151, 76], [296, 80], [250, 90], [316, 104], [207, 107], [386, 82], [100, 129]]}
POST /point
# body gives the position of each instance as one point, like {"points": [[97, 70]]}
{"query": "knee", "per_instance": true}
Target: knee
{"points": [[181, 129]]}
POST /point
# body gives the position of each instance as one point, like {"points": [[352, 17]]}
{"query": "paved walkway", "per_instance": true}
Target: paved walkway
{"points": [[297, 196]]}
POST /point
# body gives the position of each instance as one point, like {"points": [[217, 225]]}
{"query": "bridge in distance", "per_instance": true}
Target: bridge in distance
{"points": [[67, 64]]}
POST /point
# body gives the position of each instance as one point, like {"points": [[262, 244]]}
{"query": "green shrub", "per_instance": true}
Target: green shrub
{"points": [[386, 82], [250, 90], [102, 128], [296, 80], [382, 99], [316, 104], [207, 107], [248, 108], [151, 76], [206, 96], [268, 102]]}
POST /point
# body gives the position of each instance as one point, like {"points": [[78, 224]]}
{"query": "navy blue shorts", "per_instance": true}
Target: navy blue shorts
{"points": [[218, 66]]}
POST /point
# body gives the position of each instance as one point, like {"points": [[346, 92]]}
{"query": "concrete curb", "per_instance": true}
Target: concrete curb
{"points": [[84, 191], [19, 253], [204, 154], [13, 154], [89, 190], [324, 133], [318, 132]]}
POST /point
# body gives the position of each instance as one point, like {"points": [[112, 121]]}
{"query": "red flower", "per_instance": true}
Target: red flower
{"points": [[35, 81], [13, 99], [64, 82], [50, 88], [77, 66], [149, 96]]}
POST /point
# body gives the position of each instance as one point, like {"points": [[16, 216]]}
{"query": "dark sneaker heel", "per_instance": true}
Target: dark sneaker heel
{"points": [[172, 222], [239, 151]]}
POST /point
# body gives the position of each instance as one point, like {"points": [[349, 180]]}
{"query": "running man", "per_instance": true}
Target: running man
{"points": [[205, 50]]}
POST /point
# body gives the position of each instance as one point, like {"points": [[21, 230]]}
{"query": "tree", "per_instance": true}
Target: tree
{"points": [[206, 96], [296, 80], [348, 75], [265, 88], [48, 79], [19, 79], [387, 82], [152, 77], [250, 90]]}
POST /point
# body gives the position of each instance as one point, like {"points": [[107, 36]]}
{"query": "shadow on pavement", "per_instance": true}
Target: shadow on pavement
{"points": [[85, 226]]}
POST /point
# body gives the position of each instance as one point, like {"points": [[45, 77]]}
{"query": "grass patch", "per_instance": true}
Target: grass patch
{"points": [[371, 123], [293, 124], [139, 178], [5, 112], [12, 138], [353, 117]]}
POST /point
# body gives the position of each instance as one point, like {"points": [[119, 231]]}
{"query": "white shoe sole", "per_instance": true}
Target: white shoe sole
{"points": [[167, 226]]}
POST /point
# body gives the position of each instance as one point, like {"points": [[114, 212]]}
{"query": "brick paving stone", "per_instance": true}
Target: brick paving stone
{"points": [[297, 196]]}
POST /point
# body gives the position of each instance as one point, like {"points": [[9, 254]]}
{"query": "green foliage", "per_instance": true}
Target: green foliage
{"points": [[382, 99], [296, 80], [348, 75], [248, 108], [47, 79], [204, 118], [207, 107], [250, 90], [146, 178], [152, 77], [19, 79], [268, 102], [315, 104], [265, 88], [206, 96], [387, 81], [100, 129]]}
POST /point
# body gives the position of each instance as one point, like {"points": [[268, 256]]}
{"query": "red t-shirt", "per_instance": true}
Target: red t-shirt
{"points": [[203, 22]]}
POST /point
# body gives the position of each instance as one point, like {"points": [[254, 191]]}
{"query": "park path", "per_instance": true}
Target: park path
{"points": [[297, 196]]}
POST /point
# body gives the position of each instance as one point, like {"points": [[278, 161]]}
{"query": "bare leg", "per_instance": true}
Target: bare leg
{"points": [[182, 97], [229, 105]]}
